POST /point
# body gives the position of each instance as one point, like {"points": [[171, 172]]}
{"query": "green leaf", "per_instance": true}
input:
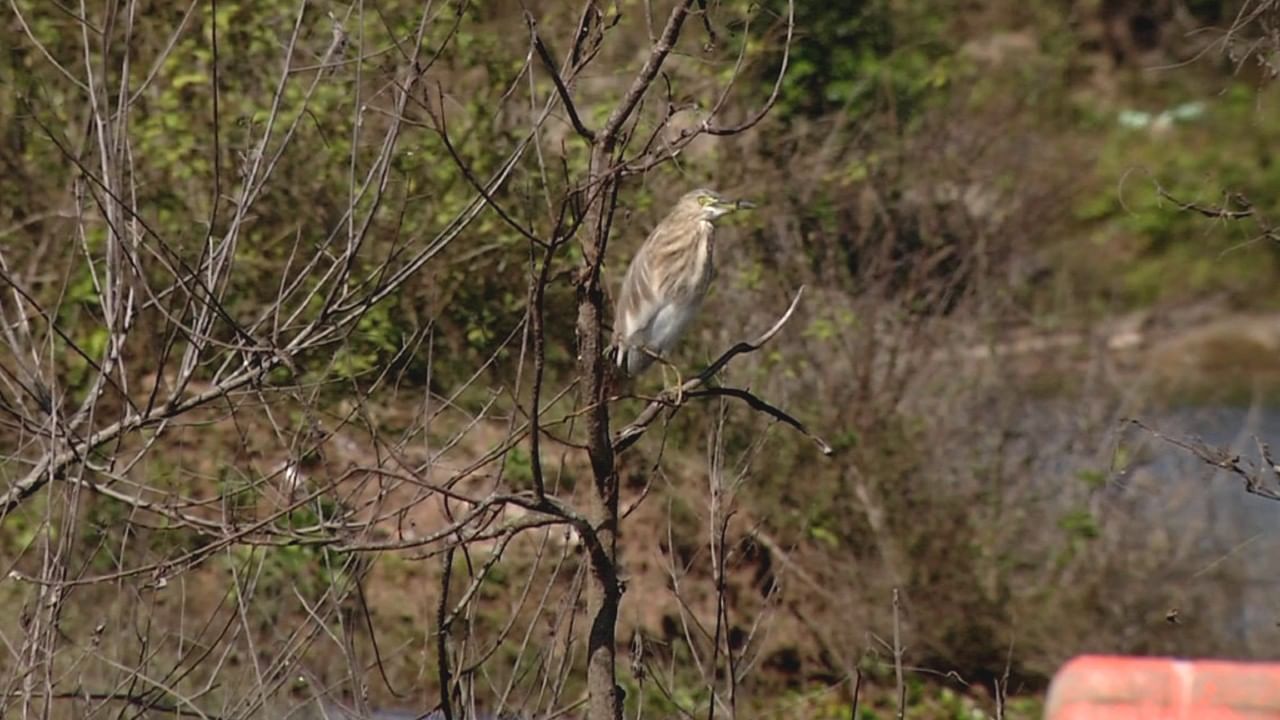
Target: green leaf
{"points": [[1080, 524]]}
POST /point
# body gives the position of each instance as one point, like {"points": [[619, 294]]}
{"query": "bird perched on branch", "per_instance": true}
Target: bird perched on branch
{"points": [[667, 280]]}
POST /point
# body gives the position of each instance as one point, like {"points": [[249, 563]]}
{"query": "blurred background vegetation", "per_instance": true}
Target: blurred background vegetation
{"points": [[982, 199]]}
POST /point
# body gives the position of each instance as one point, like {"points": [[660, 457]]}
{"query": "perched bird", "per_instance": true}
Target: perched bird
{"points": [[667, 280]]}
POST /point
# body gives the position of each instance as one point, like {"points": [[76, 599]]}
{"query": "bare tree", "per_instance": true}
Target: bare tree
{"points": [[320, 473]]}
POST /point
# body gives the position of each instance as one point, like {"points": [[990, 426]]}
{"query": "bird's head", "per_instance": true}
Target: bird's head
{"points": [[709, 205]]}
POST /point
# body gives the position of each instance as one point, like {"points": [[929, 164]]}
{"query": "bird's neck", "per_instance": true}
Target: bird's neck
{"points": [[706, 251]]}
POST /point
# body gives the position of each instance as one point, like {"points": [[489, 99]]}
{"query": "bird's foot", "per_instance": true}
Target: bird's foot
{"points": [[675, 391]]}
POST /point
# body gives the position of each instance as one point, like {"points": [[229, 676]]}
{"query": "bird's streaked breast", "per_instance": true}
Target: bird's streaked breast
{"points": [[664, 287], [681, 265]]}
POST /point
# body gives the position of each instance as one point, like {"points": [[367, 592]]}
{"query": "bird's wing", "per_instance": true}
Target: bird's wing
{"points": [[638, 304]]}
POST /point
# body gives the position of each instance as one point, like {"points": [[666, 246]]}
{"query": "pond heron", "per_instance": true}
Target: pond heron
{"points": [[667, 280]]}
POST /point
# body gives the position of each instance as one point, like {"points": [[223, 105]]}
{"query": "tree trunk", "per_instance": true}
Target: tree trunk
{"points": [[603, 592]]}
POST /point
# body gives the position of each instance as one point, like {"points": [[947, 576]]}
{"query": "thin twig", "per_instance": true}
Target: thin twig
{"points": [[897, 657], [627, 436], [857, 690], [1210, 211], [756, 403], [545, 55]]}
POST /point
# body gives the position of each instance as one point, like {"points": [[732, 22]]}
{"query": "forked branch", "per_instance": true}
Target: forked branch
{"points": [[1257, 476], [677, 398]]}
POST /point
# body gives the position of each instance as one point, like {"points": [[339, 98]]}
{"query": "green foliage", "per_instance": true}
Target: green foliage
{"points": [[19, 529], [376, 340], [279, 571], [240, 493], [1080, 524], [518, 469], [851, 55], [82, 312], [1161, 253], [1094, 479], [824, 536]]}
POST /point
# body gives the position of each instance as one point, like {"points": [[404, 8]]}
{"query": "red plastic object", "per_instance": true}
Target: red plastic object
{"points": [[1097, 687]]}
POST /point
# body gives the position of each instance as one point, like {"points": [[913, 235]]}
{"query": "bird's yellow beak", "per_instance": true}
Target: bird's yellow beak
{"points": [[728, 206]]}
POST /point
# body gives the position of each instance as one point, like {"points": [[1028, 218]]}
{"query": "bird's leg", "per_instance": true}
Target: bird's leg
{"points": [[666, 385], [679, 386]]}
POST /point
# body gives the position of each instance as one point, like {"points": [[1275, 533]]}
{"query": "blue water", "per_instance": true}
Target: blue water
{"points": [[1223, 542]]}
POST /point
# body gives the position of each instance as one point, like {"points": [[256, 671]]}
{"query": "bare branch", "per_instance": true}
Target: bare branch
{"points": [[627, 436], [639, 86], [764, 407], [550, 64], [1208, 211], [1256, 476]]}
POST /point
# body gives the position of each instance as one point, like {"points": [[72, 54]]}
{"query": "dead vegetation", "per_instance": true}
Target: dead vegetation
{"points": [[305, 397]]}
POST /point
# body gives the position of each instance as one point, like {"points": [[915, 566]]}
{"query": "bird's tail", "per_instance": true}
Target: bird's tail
{"points": [[615, 371], [637, 361], [631, 361]]}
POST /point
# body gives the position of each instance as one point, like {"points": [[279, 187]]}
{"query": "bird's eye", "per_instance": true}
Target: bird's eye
{"points": [[705, 200]]}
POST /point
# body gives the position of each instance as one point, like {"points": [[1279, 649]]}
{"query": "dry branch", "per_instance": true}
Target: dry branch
{"points": [[677, 398]]}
